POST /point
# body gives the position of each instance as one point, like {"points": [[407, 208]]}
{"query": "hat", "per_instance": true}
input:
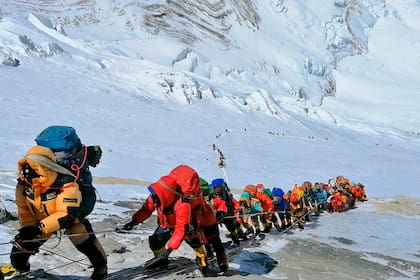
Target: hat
{"points": [[251, 189], [166, 189], [307, 184], [278, 192], [218, 182]]}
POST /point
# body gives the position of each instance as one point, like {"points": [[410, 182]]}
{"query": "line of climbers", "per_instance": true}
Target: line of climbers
{"points": [[55, 192], [258, 205]]}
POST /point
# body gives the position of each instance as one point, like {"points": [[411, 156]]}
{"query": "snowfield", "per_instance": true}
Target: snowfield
{"points": [[289, 91]]}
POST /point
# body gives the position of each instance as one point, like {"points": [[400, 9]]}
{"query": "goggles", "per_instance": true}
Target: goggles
{"points": [[29, 173], [154, 196]]}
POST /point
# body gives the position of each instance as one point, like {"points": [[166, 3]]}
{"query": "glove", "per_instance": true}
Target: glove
{"points": [[129, 225], [94, 154], [29, 232], [220, 215], [160, 261], [165, 255]]}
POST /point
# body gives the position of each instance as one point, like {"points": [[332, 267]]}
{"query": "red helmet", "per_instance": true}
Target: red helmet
{"points": [[166, 190]]}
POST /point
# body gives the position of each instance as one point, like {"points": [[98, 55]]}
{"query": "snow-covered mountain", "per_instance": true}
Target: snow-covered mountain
{"points": [[288, 90], [308, 58]]}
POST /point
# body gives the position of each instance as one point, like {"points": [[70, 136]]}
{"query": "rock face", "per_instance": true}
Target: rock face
{"points": [[191, 20], [185, 19]]}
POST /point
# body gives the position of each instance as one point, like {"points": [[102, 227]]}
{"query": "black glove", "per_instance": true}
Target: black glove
{"points": [[165, 255], [220, 215], [160, 261], [29, 232], [94, 154], [129, 225]]}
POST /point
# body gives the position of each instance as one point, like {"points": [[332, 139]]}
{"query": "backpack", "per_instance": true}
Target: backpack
{"points": [[205, 188], [71, 154], [58, 138]]}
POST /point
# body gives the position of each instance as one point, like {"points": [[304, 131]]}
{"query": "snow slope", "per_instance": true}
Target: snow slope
{"points": [[288, 90]]}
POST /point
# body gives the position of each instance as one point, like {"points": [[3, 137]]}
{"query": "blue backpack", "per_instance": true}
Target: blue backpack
{"points": [[58, 138]]}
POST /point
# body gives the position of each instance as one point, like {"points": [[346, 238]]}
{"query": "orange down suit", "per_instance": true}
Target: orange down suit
{"points": [[46, 195], [48, 207]]}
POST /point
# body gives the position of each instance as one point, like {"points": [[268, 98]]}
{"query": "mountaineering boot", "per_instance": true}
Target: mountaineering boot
{"points": [[20, 260], [278, 227], [96, 255], [267, 227], [249, 230], [7, 270], [289, 223], [257, 230], [234, 237], [210, 252], [218, 248], [99, 273], [222, 261], [242, 234], [201, 259]]}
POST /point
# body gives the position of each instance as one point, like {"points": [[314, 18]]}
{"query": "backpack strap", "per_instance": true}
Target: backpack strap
{"points": [[78, 168], [183, 197], [169, 189]]}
